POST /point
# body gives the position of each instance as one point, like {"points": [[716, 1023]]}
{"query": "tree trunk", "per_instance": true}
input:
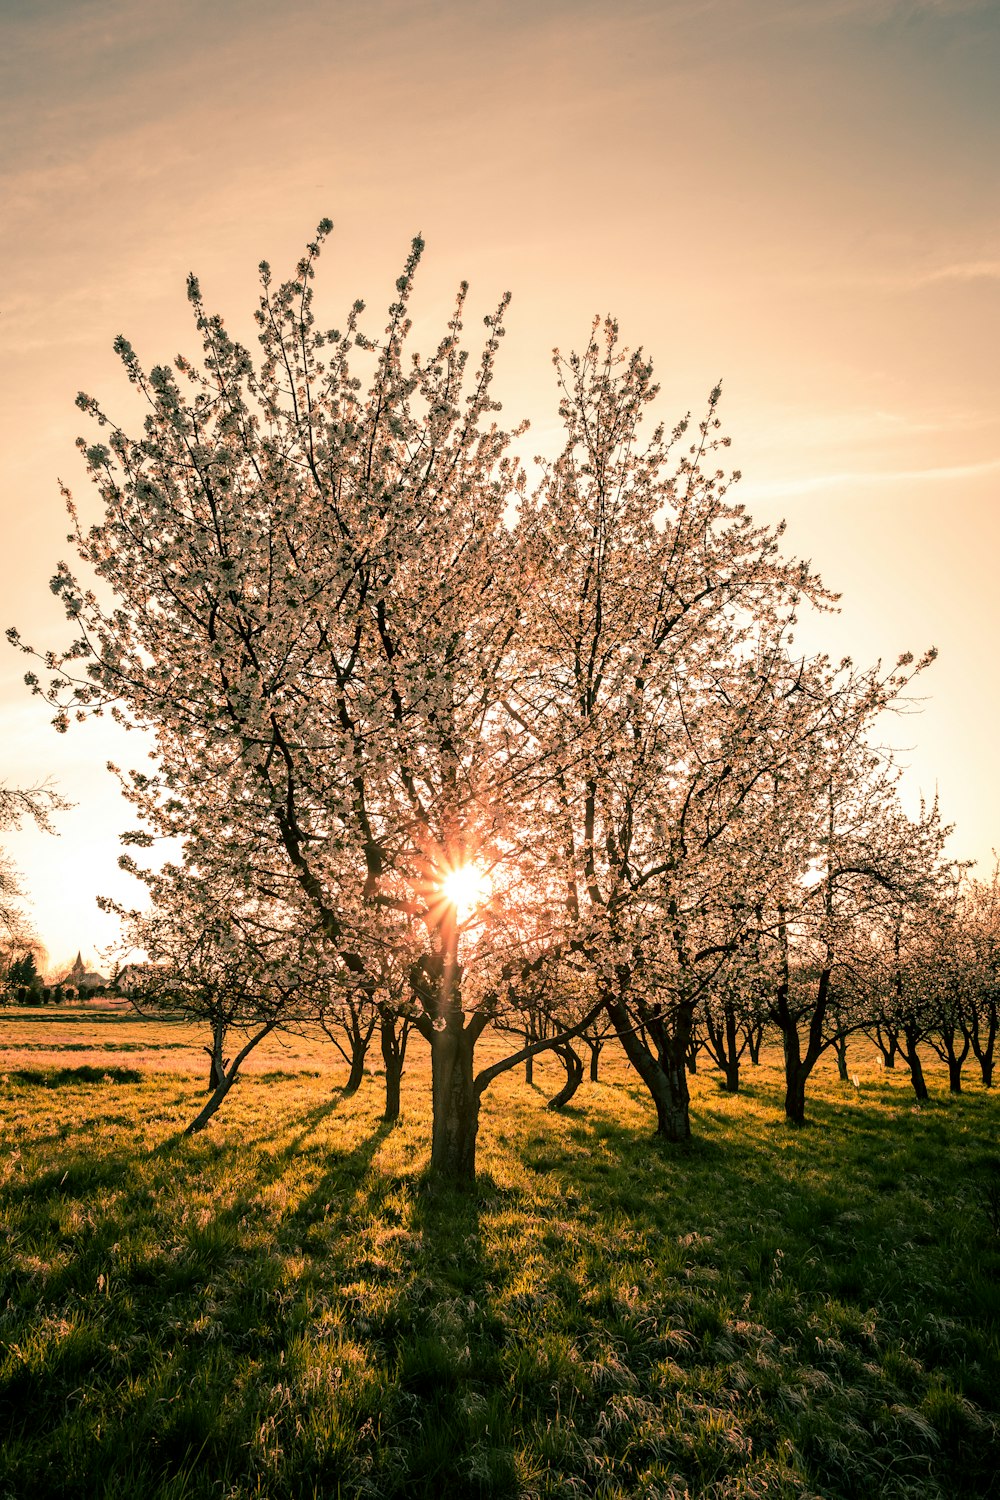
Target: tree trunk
{"points": [[755, 1035], [393, 1078], [217, 1063], [357, 1072], [596, 1048], [723, 1046], [795, 1094], [455, 1104], [887, 1041], [796, 1074], [393, 1054], [211, 1105], [529, 1062], [984, 1046], [798, 1066], [676, 1124], [917, 1077], [732, 1065], [665, 1076], [840, 1048], [573, 1063], [912, 1058], [228, 1077], [954, 1057]]}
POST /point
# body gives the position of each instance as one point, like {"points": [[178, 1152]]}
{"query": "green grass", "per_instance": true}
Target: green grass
{"points": [[283, 1308]]}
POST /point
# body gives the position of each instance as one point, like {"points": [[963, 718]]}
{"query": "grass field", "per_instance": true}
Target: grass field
{"points": [[282, 1308]]}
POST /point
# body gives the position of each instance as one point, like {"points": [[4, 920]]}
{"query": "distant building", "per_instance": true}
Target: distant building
{"points": [[132, 979], [81, 979]]}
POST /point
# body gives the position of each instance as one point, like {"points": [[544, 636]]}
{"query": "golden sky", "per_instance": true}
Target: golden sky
{"points": [[799, 196]]}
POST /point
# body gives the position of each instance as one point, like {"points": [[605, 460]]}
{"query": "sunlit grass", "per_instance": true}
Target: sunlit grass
{"points": [[282, 1307]]}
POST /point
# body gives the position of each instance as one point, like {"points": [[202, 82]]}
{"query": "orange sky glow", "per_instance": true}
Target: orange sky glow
{"points": [[798, 196]]}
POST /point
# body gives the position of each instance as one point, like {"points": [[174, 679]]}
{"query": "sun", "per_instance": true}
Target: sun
{"points": [[465, 887]]}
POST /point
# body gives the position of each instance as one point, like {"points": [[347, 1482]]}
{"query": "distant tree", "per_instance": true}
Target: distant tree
{"points": [[221, 958], [945, 967], [350, 1023], [554, 997], [859, 857], [681, 732], [979, 916], [23, 971], [37, 803], [733, 1011]]}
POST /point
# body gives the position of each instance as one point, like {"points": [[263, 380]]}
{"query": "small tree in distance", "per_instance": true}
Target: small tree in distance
{"points": [[223, 961], [18, 944]]}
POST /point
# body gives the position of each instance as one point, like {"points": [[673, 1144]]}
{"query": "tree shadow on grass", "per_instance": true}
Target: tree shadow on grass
{"points": [[53, 1078], [177, 1320]]}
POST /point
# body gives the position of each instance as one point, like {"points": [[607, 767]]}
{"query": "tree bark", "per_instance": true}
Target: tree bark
{"points": [[799, 1065], [357, 1073], [887, 1041], [217, 1064], [229, 1077], [358, 1031], [455, 1103], [203, 1116], [840, 1048], [455, 1091], [573, 1063], [393, 1055], [795, 1092], [952, 1055], [983, 1036], [665, 1076], [677, 1124], [912, 1059], [596, 1048], [723, 1046]]}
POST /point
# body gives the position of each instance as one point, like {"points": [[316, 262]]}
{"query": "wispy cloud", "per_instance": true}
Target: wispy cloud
{"points": [[816, 12], [847, 478], [901, 277], [963, 270]]}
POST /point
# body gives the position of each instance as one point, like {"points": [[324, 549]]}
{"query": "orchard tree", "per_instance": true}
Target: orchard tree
{"points": [[859, 857], [947, 982], [904, 1011], [734, 1010], [224, 960], [980, 919], [678, 729], [316, 613], [18, 944], [350, 1024]]}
